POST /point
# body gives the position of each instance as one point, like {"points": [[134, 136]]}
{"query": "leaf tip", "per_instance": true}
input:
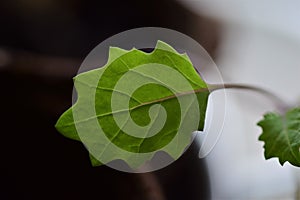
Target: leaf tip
{"points": [[164, 46], [65, 125], [114, 53]]}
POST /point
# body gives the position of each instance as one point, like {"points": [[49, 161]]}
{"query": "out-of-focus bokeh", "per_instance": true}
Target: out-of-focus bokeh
{"points": [[42, 43], [260, 45]]}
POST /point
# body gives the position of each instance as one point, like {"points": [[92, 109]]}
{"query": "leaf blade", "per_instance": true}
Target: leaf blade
{"points": [[281, 134], [97, 87]]}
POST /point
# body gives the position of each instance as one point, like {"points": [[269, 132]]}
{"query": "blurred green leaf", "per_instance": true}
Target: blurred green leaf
{"points": [[281, 134]]}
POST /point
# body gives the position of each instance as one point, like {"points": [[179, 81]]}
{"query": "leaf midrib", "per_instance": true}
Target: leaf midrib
{"points": [[142, 104]]}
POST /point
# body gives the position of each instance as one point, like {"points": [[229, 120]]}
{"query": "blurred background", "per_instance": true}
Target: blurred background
{"points": [[43, 42], [259, 45]]}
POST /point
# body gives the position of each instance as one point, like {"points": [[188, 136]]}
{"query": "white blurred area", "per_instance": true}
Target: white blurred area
{"points": [[260, 46]]}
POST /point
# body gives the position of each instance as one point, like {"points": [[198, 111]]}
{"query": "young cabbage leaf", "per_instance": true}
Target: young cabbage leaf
{"points": [[281, 135], [136, 105]]}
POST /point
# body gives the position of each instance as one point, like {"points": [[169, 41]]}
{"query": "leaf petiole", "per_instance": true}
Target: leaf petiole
{"points": [[279, 104]]}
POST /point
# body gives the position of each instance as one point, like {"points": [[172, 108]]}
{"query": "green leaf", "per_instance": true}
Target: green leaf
{"points": [[281, 135], [136, 105]]}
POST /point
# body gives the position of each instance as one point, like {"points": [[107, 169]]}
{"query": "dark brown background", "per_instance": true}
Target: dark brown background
{"points": [[41, 46]]}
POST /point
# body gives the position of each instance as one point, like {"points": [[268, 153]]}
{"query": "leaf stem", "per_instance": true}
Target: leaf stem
{"points": [[280, 104]]}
